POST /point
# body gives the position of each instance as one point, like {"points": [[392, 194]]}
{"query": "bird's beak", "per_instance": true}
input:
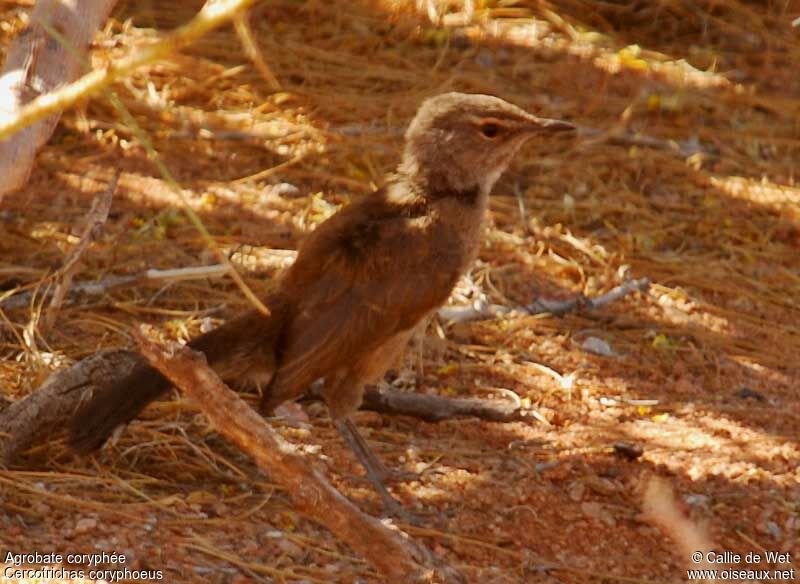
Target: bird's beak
{"points": [[546, 126]]}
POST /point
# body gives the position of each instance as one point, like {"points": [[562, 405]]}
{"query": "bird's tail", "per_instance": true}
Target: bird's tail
{"points": [[114, 405], [242, 347]]}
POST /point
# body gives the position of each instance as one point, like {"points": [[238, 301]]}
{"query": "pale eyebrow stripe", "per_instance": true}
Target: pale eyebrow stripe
{"points": [[491, 120]]}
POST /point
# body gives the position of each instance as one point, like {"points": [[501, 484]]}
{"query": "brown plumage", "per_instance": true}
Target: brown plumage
{"points": [[362, 281]]}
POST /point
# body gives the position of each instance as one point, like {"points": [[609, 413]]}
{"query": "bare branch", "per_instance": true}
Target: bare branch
{"points": [[101, 287], [560, 307], [687, 147], [483, 310], [33, 417], [95, 220]]}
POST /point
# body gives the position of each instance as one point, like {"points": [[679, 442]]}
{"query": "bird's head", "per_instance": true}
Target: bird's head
{"points": [[462, 142]]}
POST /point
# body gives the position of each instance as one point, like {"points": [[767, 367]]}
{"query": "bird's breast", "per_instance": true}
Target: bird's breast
{"points": [[458, 227]]}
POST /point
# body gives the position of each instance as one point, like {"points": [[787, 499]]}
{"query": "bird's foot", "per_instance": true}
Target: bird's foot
{"points": [[393, 508]]}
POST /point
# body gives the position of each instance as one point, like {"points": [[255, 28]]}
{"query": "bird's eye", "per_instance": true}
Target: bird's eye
{"points": [[490, 129]]}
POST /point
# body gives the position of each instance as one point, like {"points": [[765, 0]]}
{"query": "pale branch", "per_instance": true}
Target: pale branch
{"points": [[95, 220], [274, 259], [397, 557], [101, 287], [213, 14], [482, 310], [36, 415], [37, 64], [581, 302]]}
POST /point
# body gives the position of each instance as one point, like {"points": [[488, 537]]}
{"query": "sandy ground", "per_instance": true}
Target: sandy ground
{"points": [[689, 181]]}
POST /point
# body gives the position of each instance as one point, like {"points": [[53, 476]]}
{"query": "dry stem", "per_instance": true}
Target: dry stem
{"points": [[94, 222], [211, 16]]}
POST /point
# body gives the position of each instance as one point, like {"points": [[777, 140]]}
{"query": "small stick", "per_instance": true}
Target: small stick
{"points": [[483, 310], [101, 287], [560, 307], [523, 211], [246, 37], [398, 558], [95, 220]]}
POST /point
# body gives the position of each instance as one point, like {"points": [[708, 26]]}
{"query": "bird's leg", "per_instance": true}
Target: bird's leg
{"points": [[419, 347], [386, 474], [374, 467]]}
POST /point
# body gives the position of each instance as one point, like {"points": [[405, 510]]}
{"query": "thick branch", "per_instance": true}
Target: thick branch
{"points": [[398, 558], [34, 416], [37, 64]]}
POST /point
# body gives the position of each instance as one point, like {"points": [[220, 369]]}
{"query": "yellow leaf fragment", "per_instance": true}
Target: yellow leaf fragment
{"points": [[629, 58], [662, 342]]}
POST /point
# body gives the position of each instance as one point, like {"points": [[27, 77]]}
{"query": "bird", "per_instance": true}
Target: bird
{"points": [[363, 281]]}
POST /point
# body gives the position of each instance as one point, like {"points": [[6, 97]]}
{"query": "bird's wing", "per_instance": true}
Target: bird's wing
{"points": [[361, 280]]}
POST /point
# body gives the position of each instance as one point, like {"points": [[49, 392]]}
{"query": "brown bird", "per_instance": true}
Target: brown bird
{"points": [[362, 281]]}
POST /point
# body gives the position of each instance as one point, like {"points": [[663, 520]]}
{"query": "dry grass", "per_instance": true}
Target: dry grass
{"points": [[710, 215]]}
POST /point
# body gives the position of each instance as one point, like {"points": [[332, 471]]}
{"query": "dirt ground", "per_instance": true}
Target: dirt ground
{"points": [[683, 172]]}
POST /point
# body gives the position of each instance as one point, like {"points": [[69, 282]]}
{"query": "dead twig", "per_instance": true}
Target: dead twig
{"points": [[483, 310], [479, 310], [250, 46], [686, 147], [580, 302], [95, 219], [397, 557], [101, 287]]}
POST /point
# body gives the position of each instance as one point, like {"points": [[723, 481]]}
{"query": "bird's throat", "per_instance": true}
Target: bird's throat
{"points": [[436, 184]]}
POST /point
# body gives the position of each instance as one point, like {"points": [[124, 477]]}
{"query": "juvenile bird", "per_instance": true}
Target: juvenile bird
{"points": [[362, 281]]}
